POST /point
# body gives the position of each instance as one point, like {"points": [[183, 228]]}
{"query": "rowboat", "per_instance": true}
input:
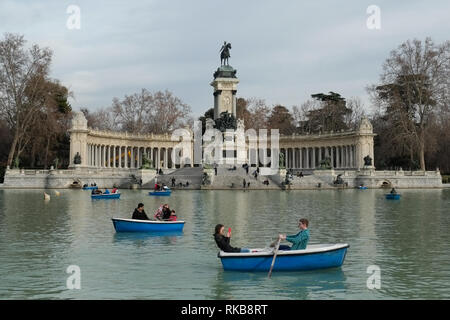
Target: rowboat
{"points": [[90, 188], [393, 196], [166, 193], [106, 196], [315, 256], [133, 225], [362, 188]]}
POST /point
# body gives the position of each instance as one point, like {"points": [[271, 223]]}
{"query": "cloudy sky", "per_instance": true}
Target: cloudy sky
{"points": [[284, 51]]}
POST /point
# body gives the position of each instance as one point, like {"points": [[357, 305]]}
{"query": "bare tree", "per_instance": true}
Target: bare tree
{"points": [[415, 84], [144, 112], [258, 115], [22, 73]]}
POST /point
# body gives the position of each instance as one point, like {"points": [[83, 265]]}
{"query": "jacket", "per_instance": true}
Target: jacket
{"points": [[299, 240], [140, 215], [224, 244]]}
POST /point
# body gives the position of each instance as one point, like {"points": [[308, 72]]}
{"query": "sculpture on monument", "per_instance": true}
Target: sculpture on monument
{"points": [[77, 158], [225, 53], [367, 160], [226, 121]]}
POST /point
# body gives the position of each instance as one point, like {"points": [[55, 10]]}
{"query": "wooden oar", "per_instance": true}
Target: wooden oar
{"points": [[274, 257]]}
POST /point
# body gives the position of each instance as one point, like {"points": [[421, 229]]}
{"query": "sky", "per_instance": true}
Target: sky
{"points": [[283, 51]]}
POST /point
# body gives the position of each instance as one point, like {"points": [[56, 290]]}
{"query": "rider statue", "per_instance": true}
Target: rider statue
{"points": [[225, 53]]}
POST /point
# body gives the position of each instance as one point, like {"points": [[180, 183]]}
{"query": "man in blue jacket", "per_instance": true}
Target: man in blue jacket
{"points": [[299, 240]]}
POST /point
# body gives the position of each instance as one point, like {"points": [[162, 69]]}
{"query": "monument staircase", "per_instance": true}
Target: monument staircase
{"points": [[233, 179], [183, 175]]}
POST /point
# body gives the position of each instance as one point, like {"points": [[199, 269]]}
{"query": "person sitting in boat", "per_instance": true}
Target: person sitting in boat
{"points": [[223, 242], [106, 191], [299, 240], [166, 212], [139, 213], [114, 190], [393, 191], [96, 191], [173, 216], [163, 212], [85, 185]]}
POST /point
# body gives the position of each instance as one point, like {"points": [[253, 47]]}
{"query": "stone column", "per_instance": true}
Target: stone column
{"points": [[300, 165], [120, 156], [158, 158], [114, 156], [307, 158], [166, 158], [151, 155], [314, 158], [320, 155], [332, 157], [351, 157]]}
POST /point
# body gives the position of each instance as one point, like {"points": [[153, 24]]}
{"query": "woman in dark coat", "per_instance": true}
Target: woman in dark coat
{"points": [[223, 242]]}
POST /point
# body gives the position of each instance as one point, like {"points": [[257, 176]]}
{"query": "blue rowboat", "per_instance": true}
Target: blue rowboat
{"points": [[362, 188], [393, 196], [316, 256], [166, 193], [106, 196], [90, 188], [133, 225]]}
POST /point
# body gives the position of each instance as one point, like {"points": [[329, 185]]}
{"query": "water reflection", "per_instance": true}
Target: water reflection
{"points": [[282, 285]]}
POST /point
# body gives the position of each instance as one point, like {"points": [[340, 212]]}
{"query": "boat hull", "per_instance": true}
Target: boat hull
{"points": [[296, 260], [160, 193], [90, 188], [391, 196], [106, 196], [132, 225]]}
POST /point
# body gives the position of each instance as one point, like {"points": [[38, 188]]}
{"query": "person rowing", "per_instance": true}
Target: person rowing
{"points": [[299, 240]]}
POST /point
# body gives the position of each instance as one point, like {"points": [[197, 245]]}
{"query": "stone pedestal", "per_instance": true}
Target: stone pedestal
{"points": [[225, 88]]}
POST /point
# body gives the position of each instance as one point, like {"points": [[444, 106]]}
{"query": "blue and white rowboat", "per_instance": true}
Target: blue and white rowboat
{"points": [[133, 225], [106, 196], [90, 188], [166, 193], [316, 256], [393, 196]]}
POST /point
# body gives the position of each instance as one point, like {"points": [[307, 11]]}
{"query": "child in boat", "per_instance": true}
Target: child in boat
{"points": [[299, 240], [173, 216], [114, 190], [106, 191]]}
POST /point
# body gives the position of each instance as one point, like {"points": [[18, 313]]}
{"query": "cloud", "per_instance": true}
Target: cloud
{"points": [[283, 50]]}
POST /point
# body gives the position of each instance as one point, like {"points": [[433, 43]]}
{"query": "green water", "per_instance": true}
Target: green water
{"points": [[408, 239]]}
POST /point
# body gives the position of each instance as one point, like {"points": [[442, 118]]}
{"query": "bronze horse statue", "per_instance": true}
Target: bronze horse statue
{"points": [[225, 53]]}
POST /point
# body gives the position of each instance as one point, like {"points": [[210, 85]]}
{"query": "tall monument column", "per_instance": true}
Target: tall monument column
{"points": [[225, 85]]}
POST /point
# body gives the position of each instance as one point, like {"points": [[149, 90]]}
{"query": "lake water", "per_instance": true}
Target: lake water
{"points": [[409, 240]]}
